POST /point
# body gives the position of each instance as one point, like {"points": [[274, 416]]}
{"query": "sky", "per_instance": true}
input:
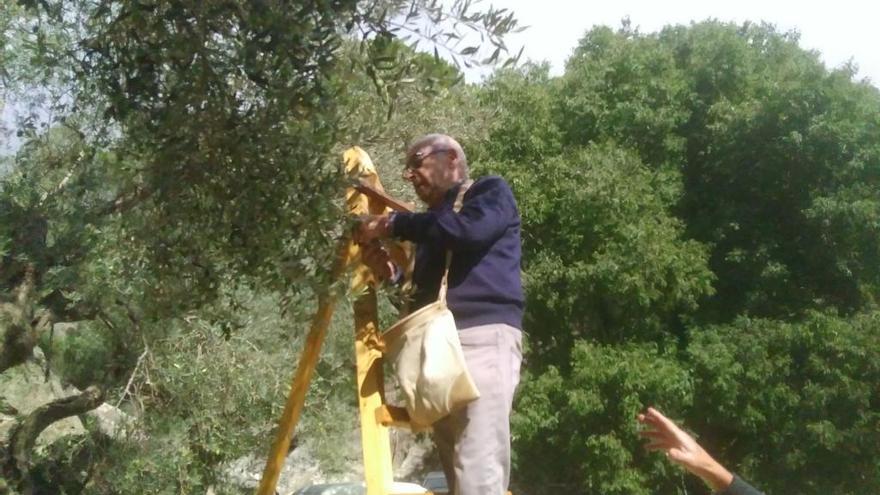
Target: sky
{"points": [[839, 30]]}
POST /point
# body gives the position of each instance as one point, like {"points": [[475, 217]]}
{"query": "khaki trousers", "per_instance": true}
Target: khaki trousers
{"points": [[474, 442]]}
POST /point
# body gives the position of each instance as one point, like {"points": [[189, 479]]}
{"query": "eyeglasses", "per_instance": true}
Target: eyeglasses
{"points": [[416, 161]]}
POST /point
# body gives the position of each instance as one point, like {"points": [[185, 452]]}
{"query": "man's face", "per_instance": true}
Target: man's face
{"points": [[429, 169]]}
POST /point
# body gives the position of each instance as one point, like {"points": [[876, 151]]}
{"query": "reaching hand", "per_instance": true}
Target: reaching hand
{"points": [[371, 227], [682, 449], [376, 257]]}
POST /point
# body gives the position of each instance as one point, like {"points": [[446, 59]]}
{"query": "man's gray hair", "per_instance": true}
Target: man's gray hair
{"points": [[441, 141]]}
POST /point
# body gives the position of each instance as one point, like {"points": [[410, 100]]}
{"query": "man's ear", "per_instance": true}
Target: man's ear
{"points": [[453, 159]]}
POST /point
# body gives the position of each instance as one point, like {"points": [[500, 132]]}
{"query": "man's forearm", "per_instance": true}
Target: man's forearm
{"points": [[715, 475]]}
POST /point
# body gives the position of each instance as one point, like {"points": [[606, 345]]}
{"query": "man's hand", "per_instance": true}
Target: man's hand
{"points": [[377, 259], [681, 448], [371, 227]]}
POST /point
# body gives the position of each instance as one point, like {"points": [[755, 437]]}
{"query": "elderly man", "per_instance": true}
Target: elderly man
{"points": [[485, 297]]}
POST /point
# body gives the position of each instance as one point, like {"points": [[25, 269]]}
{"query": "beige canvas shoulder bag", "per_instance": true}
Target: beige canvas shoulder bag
{"points": [[426, 354]]}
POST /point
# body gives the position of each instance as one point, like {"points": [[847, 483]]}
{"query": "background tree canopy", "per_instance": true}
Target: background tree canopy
{"points": [[700, 212], [701, 222]]}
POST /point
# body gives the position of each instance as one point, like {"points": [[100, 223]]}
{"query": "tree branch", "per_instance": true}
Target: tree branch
{"points": [[18, 335], [125, 201], [25, 432], [134, 372]]}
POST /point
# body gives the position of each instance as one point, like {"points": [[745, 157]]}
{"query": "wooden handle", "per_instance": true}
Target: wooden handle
{"points": [[384, 198]]}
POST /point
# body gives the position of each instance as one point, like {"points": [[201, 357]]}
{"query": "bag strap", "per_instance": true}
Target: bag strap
{"points": [[456, 207]]}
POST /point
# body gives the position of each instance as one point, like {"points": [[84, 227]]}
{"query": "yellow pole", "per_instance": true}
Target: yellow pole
{"points": [[375, 440], [307, 362], [374, 436]]}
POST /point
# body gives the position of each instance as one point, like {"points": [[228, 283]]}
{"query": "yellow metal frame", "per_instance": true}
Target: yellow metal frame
{"points": [[376, 416]]}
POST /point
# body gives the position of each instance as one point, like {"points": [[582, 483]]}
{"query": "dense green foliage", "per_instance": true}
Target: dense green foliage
{"points": [[575, 429], [804, 395], [700, 212], [701, 232], [177, 194]]}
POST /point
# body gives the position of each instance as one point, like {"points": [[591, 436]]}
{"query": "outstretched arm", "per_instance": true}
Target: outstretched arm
{"points": [[681, 448]]}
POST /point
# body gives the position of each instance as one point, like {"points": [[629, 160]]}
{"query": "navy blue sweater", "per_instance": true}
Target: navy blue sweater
{"points": [[484, 278]]}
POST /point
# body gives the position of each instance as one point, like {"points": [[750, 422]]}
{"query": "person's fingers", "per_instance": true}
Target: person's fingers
{"points": [[375, 253], [658, 444], [369, 249], [663, 423], [645, 418], [656, 416], [369, 261], [653, 425], [652, 416], [376, 257], [365, 228], [373, 263], [652, 434], [680, 456]]}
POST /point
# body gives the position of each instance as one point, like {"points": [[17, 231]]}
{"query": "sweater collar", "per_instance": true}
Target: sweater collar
{"points": [[448, 197]]}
